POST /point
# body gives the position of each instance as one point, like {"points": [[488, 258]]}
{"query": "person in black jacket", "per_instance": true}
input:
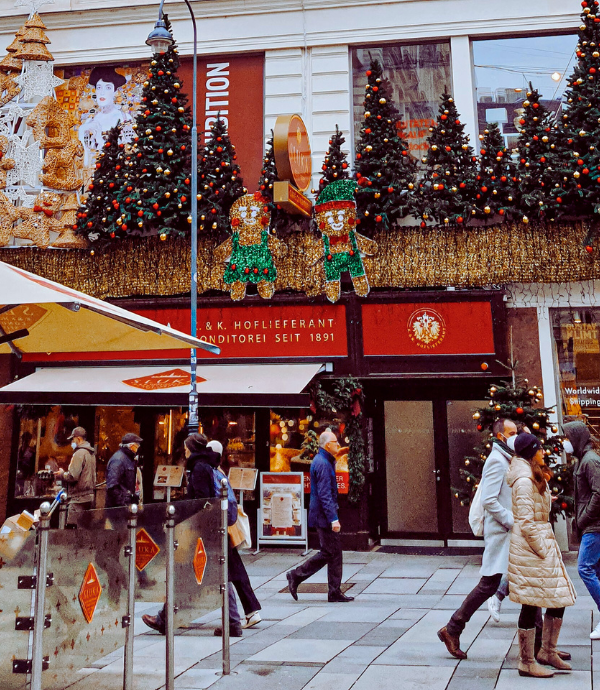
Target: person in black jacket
{"points": [[121, 473], [587, 508], [201, 461]]}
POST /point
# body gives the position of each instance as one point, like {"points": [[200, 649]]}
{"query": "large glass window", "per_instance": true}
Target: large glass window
{"points": [[419, 74], [577, 337], [503, 70]]}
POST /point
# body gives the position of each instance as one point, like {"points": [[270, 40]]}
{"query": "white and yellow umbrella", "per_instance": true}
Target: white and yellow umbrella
{"points": [[40, 316]]}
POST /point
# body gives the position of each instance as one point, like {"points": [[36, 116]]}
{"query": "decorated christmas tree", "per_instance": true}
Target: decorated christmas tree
{"points": [[518, 401], [447, 190], [335, 165], [310, 445], [268, 174], [153, 196], [536, 147], [384, 169], [219, 181], [496, 177], [96, 219], [579, 130]]}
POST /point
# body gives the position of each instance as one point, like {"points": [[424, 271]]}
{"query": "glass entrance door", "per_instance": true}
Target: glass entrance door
{"points": [[410, 467]]}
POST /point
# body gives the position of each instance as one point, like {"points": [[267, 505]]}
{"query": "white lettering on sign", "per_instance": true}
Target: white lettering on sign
{"points": [[216, 96]]}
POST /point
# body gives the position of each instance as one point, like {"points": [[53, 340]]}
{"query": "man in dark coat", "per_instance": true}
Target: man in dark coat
{"points": [[587, 508], [121, 473], [323, 514]]}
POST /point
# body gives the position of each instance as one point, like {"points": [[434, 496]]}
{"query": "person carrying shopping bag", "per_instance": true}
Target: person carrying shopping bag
{"points": [[536, 572]]}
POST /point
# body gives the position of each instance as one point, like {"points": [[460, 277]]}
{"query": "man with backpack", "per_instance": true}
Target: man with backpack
{"points": [[203, 482], [496, 500]]}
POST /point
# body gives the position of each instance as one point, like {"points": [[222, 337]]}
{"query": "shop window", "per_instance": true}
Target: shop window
{"points": [[418, 74], [503, 70], [577, 338], [43, 448]]}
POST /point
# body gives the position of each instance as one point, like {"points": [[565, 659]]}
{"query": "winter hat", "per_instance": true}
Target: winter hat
{"points": [[130, 438], [77, 431], [195, 443], [527, 445], [216, 447], [337, 194]]}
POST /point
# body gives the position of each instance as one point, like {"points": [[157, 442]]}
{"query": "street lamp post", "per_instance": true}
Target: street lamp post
{"points": [[160, 40]]}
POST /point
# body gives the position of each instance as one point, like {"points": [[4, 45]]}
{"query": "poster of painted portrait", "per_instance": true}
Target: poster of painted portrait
{"points": [[98, 98]]}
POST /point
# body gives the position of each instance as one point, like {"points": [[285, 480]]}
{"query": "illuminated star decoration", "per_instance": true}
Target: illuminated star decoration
{"points": [[28, 164], [33, 5], [18, 194], [38, 80]]}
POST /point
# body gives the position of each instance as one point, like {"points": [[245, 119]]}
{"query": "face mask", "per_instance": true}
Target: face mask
{"points": [[73, 445], [568, 447], [510, 442]]}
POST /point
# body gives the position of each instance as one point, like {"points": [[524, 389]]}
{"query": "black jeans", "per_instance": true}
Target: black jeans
{"points": [[485, 588], [240, 580], [329, 555], [529, 614]]}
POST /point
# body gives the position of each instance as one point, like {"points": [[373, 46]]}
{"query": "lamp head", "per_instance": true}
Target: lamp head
{"points": [[160, 39]]}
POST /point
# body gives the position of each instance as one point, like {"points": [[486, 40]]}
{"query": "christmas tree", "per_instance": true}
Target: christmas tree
{"points": [[153, 196], [219, 181], [335, 165], [447, 191], [269, 172], [310, 445], [496, 176], [579, 140], [518, 401], [96, 219], [536, 146], [384, 169]]}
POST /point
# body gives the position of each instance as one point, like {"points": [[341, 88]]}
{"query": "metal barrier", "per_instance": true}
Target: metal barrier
{"points": [[175, 553]]}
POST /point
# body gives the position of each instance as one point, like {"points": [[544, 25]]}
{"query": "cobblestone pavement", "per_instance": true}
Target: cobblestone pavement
{"points": [[385, 639]]}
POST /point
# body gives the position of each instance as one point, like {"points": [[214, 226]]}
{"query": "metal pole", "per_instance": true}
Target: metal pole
{"points": [[40, 597], [129, 618], [225, 580], [62, 511], [170, 595]]}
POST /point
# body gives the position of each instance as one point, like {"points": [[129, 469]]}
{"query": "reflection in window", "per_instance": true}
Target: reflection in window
{"points": [[503, 70], [577, 338], [418, 74]]}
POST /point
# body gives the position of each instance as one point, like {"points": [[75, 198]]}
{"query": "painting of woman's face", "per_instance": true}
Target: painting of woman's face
{"points": [[105, 92]]}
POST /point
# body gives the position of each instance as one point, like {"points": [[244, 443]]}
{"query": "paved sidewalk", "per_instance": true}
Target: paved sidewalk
{"points": [[384, 640]]}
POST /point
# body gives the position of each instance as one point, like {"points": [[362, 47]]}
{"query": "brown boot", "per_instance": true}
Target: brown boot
{"points": [[452, 643], [548, 653], [528, 666]]}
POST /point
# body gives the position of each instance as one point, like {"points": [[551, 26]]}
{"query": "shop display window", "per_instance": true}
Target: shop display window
{"points": [[418, 74], [43, 447], [577, 338], [503, 70]]}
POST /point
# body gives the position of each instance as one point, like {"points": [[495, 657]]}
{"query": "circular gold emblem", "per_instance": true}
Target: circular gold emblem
{"points": [[426, 328]]}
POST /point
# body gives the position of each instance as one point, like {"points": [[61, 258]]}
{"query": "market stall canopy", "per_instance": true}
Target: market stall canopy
{"points": [[41, 316], [269, 385]]}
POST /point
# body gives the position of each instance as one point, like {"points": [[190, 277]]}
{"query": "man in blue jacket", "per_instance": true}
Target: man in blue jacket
{"points": [[323, 514]]}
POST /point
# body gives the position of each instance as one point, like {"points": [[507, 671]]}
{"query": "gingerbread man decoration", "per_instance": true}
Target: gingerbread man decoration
{"points": [[37, 222], [9, 214], [60, 169], [6, 164], [249, 251], [342, 248]]}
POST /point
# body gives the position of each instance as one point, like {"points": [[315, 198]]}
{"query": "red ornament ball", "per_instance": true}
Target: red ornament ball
{"points": [[519, 410], [589, 249]]}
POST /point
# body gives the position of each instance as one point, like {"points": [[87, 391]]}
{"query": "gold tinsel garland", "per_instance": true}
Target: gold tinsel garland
{"points": [[407, 258]]}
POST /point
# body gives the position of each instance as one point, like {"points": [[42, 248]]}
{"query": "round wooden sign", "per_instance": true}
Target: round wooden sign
{"points": [[292, 151]]}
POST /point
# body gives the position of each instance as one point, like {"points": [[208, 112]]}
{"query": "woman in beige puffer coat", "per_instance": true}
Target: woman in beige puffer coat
{"points": [[536, 573]]}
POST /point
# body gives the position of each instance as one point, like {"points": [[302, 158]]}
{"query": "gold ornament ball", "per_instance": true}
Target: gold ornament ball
{"points": [[477, 415], [487, 209], [535, 425], [382, 101], [163, 236], [497, 408], [554, 428]]}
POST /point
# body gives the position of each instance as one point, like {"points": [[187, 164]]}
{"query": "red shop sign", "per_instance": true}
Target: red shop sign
{"points": [[272, 331], [447, 328]]}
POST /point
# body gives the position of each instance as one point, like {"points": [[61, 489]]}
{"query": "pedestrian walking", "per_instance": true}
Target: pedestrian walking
{"points": [[200, 466], [587, 508], [80, 478], [323, 514], [496, 501], [121, 473], [536, 573], [238, 575]]}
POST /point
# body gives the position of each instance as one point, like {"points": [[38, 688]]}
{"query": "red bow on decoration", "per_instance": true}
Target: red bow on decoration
{"points": [[340, 239], [48, 211]]}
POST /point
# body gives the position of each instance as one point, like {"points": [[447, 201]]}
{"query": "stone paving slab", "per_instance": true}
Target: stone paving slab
{"points": [[406, 678], [295, 651], [577, 680]]}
